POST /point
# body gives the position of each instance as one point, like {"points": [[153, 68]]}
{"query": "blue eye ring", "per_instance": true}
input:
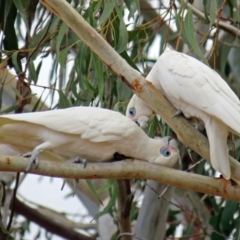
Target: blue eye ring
{"points": [[132, 111], [165, 152]]}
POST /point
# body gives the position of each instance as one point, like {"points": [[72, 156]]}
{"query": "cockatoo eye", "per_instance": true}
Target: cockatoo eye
{"points": [[132, 112], [165, 152]]}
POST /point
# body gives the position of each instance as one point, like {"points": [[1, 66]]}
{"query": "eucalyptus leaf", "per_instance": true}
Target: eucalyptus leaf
{"points": [[188, 34]]}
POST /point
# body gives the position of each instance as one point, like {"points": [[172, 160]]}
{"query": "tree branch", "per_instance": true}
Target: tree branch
{"points": [[124, 201], [221, 24], [54, 227], [128, 169], [152, 221], [144, 89]]}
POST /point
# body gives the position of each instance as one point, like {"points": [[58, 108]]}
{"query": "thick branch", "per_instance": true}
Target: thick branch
{"points": [[151, 222], [128, 169], [124, 201], [145, 90], [52, 226]]}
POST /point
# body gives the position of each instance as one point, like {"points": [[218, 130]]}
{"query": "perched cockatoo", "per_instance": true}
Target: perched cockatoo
{"points": [[197, 91], [89, 133]]}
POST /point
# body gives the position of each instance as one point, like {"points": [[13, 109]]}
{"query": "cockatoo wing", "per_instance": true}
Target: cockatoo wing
{"points": [[90, 123], [189, 81]]}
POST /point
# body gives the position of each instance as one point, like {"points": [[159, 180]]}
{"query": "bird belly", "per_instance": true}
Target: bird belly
{"points": [[188, 110], [85, 149]]}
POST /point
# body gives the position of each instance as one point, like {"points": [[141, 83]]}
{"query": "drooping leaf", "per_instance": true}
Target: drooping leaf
{"points": [[63, 101], [188, 35], [123, 33], [92, 188], [21, 6], [107, 11], [113, 197], [33, 72], [213, 12], [132, 6], [62, 31]]}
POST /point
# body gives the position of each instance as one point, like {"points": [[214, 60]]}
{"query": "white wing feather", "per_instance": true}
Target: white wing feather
{"points": [[88, 122], [183, 79]]}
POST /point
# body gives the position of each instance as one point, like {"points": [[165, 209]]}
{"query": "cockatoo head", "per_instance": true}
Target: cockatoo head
{"points": [[169, 153], [139, 112]]}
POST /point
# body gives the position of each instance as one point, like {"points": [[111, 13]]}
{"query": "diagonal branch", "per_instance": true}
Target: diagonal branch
{"points": [[128, 169], [145, 90]]}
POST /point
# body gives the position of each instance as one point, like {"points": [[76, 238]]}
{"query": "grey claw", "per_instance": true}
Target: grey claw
{"points": [[177, 113], [27, 155], [33, 159], [82, 161]]}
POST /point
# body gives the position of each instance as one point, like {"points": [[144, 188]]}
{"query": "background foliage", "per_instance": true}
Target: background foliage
{"points": [[40, 50]]}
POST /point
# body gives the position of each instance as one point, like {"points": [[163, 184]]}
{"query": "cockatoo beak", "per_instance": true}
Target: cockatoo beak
{"points": [[142, 121]]}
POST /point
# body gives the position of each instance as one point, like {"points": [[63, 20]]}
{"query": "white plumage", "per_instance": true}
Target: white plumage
{"points": [[197, 91], [89, 133]]}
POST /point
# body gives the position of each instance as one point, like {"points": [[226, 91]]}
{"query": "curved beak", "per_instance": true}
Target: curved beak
{"points": [[142, 123]]}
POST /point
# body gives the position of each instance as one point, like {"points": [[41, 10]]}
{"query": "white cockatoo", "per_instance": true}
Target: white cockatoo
{"points": [[197, 91], [89, 133]]}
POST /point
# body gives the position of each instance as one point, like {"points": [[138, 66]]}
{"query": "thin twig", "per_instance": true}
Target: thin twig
{"points": [[39, 43]]}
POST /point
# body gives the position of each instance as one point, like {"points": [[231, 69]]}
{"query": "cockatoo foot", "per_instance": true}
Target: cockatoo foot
{"points": [[177, 113], [82, 161], [33, 158], [76, 181]]}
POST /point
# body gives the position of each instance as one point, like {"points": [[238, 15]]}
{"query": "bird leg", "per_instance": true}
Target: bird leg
{"points": [[33, 158], [177, 113], [82, 161], [36, 151]]}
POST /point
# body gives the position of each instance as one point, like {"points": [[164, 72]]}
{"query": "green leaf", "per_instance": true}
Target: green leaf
{"points": [[213, 11], [62, 31], [205, 4], [234, 3], [113, 197], [10, 109], [123, 34], [62, 58], [63, 100], [129, 60], [107, 11], [22, 11], [39, 101], [132, 6], [225, 57], [32, 72], [105, 187], [39, 68], [8, 13], [188, 35], [99, 75], [227, 218], [15, 61], [82, 59], [92, 188]]}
